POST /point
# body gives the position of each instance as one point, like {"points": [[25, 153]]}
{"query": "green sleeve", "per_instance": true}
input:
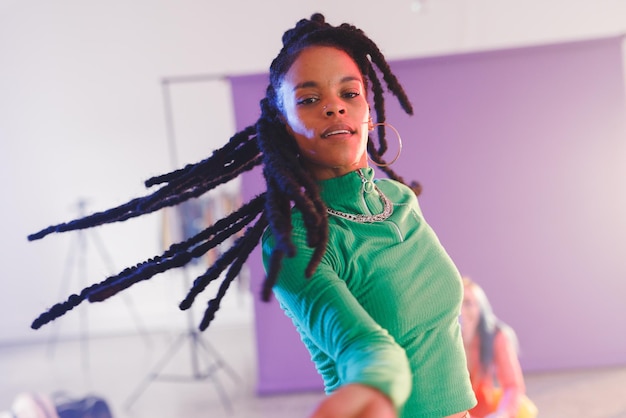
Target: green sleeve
{"points": [[346, 344]]}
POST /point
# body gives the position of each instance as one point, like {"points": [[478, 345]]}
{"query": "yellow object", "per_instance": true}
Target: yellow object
{"points": [[527, 408]]}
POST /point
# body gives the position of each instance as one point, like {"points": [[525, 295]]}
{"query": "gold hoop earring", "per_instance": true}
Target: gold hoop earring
{"points": [[388, 125]]}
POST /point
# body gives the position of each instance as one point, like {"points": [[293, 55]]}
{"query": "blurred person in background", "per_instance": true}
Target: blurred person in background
{"points": [[492, 351]]}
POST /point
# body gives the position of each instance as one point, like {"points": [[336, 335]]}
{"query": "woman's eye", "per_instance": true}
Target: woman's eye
{"points": [[307, 100], [351, 94]]}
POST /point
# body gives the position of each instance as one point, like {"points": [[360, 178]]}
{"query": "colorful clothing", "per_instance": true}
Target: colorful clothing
{"points": [[504, 375], [382, 307]]}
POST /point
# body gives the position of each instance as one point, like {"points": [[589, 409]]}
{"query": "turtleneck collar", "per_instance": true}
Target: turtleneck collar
{"points": [[351, 192]]}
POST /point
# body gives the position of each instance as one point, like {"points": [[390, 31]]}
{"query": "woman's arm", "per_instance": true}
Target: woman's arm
{"points": [[354, 352]]}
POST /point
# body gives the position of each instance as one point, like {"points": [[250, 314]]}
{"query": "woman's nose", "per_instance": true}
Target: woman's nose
{"points": [[333, 108]]}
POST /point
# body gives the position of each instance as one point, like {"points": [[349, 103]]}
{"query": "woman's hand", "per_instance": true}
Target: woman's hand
{"points": [[355, 401]]}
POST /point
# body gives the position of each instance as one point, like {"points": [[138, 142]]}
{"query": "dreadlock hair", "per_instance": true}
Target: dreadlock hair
{"points": [[266, 143]]}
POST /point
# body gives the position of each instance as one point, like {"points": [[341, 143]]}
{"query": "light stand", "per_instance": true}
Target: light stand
{"points": [[197, 345], [78, 249]]}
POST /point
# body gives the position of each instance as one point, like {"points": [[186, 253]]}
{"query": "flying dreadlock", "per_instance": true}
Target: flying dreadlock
{"points": [[266, 143]]}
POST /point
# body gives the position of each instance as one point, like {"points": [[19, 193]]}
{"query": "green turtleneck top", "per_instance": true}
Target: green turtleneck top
{"points": [[382, 307]]}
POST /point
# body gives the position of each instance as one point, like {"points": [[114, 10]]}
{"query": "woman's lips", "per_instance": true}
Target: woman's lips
{"points": [[337, 130]]}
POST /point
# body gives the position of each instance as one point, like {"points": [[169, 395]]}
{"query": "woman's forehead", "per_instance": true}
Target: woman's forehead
{"points": [[323, 61]]}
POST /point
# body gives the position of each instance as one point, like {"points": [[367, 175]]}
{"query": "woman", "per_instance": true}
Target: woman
{"points": [[385, 339], [492, 359]]}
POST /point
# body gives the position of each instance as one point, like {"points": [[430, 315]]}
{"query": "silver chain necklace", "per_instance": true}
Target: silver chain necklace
{"points": [[387, 208]]}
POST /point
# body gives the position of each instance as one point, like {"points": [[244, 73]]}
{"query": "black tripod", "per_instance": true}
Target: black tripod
{"points": [[76, 262], [213, 363]]}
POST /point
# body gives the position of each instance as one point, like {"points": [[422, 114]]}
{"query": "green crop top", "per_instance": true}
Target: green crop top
{"points": [[382, 307]]}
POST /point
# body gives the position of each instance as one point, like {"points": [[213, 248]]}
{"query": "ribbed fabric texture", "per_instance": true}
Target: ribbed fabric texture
{"points": [[382, 308]]}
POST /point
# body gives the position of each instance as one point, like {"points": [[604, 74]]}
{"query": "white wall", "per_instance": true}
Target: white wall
{"points": [[81, 116]]}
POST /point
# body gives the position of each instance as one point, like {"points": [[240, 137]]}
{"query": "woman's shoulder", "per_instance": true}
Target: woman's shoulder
{"points": [[297, 231], [399, 193], [390, 185], [505, 338]]}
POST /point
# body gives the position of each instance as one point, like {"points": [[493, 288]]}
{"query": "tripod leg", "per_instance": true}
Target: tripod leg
{"points": [[76, 257], [208, 347], [222, 394], [67, 276], [106, 258], [218, 363], [155, 371]]}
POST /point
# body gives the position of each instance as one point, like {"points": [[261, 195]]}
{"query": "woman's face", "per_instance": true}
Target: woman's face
{"points": [[325, 109], [470, 314]]}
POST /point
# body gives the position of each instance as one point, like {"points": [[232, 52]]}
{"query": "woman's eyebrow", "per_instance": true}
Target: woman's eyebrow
{"points": [[345, 79], [304, 85]]}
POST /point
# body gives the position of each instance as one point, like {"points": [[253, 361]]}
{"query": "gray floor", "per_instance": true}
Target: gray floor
{"points": [[119, 369]]}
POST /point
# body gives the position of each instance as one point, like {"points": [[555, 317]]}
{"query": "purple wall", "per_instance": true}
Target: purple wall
{"points": [[522, 155]]}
